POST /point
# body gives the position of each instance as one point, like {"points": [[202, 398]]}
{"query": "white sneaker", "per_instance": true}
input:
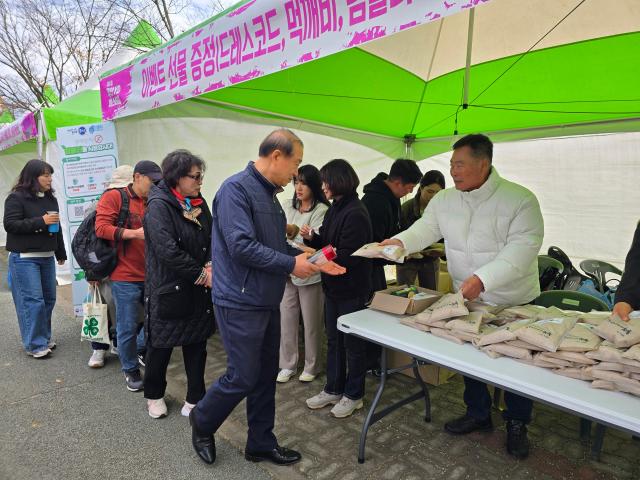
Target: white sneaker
{"points": [[186, 409], [345, 407], [157, 408], [306, 377], [40, 354], [114, 350], [97, 359], [285, 375], [322, 400], [52, 345]]}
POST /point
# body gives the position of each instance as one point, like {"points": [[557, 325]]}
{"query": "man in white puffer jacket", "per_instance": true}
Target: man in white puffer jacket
{"points": [[493, 231]]}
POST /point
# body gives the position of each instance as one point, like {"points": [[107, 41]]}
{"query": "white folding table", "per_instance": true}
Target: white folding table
{"points": [[615, 409]]}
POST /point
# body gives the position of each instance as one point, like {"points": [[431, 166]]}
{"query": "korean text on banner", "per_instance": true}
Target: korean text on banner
{"points": [[258, 38], [19, 131]]}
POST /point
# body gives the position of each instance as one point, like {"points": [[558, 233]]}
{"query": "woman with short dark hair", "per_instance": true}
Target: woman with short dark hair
{"points": [[34, 238], [178, 308], [347, 227]]}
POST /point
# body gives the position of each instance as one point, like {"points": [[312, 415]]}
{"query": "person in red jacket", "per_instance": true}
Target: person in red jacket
{"points": [[127, 280]]}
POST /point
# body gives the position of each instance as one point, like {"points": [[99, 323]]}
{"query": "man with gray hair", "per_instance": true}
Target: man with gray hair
{"points": [[493, 231], [251, 263]]}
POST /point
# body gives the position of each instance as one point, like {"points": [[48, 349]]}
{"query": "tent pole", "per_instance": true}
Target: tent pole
{"points": [[467, 69], [40, 133]]}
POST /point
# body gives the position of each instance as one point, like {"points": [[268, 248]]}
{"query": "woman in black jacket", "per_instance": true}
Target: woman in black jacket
{"points": [[34, 237], [178, 308], [347, 227]]}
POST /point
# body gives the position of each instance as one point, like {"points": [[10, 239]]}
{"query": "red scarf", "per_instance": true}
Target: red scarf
{"points": [[195, 202]]}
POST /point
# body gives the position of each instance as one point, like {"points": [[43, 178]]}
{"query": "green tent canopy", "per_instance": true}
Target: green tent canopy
{"points": [[514, 70]]}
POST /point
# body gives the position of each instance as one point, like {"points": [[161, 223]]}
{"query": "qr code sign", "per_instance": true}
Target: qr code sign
{"points": [[78, 211]]}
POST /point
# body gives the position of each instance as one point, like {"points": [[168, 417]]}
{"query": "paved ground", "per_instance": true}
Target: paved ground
{"points": [[61, 420], [403, 446]]}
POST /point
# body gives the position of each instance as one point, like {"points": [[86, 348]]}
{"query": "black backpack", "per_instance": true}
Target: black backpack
{"points": [[571, 278], [96, 256]]}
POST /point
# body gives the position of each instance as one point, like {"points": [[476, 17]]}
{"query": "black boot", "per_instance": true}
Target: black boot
{"points": [[517, 441], [467, 424], [204, 445]]}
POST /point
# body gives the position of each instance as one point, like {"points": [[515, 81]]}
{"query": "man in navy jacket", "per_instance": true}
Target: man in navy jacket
{"points": [[251, 262]]}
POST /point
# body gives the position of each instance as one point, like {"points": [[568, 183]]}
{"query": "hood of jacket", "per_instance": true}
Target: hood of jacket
{"points": [[378, 187]]}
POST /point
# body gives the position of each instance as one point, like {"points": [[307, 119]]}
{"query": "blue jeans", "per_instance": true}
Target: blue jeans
{"points": [[128, 297], [33, 286]]}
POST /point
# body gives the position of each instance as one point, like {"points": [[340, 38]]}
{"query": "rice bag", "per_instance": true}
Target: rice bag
{"points": [[409, 322], [508, 351], [393, 253], [620, 333], [502, 334], [444, 333], [547, 334], [581, 338], [448, 306], [579, 373], [469, 323]]}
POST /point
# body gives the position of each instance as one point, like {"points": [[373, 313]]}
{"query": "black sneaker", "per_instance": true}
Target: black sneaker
{"points": [[134, 381], [467, 424], [141, 359], [517, 441]]}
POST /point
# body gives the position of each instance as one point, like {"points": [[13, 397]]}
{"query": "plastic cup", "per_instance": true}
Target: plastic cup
{"points": [[54, 227]]}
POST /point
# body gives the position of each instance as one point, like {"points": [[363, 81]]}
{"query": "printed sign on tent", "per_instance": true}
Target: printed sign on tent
{"points": [[89, 156], [255, 39]]}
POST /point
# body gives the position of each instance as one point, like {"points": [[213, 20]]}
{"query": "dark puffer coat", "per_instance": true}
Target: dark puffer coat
{"points": [[177, 312]]}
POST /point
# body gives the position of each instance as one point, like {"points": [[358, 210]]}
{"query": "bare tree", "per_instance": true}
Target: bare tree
{"points": [[170, 17], [60, 44]]}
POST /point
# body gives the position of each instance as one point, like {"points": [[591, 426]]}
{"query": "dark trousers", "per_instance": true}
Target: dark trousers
{"points": [[478, 400], [155, 372], [251, 339], [346, 354]]}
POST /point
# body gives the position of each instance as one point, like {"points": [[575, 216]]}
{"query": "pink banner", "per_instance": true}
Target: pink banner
{"points": [[258, 38], [19, 131]]}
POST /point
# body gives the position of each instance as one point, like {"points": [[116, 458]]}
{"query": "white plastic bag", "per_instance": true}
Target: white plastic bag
{"points": [[95, 322]]}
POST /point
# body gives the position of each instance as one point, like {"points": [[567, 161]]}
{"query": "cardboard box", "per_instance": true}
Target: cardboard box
{"points": [[383, 300], [431, 374]]}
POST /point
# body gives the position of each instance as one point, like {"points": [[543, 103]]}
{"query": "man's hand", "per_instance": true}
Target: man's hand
{"points": [[137, 234], [392, 241], [61, 262], [303, 268], [332, 268], [306, 232], [622, 309], [472, 287]]}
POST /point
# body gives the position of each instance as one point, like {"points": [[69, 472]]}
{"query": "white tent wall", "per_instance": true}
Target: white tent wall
{"points": [[10, 166], [587, 187], [227, 145]]}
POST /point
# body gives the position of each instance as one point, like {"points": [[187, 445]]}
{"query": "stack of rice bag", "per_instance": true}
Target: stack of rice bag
{"points": [[586, 346]]}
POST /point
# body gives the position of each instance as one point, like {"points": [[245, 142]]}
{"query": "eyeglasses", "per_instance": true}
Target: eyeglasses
{"points": [[198, 177]]}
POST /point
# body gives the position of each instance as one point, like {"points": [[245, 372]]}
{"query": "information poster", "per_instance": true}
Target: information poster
{"points": [[89, 155]]}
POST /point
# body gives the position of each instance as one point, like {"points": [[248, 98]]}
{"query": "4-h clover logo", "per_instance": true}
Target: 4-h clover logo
{"points": [[90, 327]]}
